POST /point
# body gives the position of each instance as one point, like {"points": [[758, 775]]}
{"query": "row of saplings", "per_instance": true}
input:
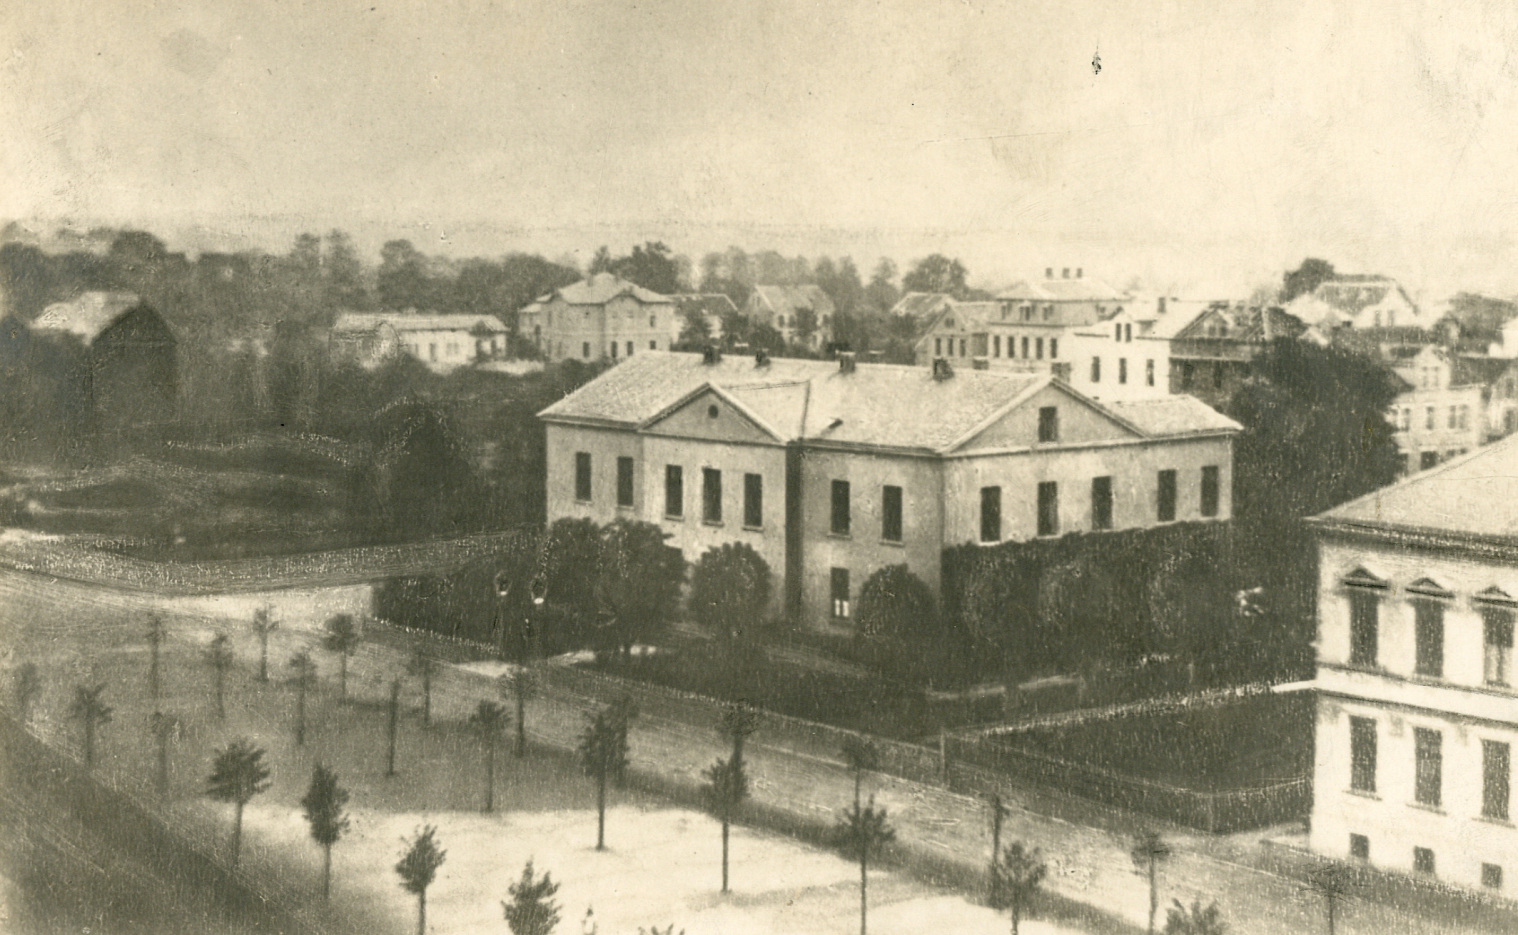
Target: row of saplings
{"points": [[239, 773]]}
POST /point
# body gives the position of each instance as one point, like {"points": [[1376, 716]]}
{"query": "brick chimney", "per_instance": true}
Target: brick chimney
{"points": [[846, 362]]}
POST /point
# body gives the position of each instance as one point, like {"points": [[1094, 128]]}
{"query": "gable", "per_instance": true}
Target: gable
{"points": [[141, 325], [710, 416], [1079, 422]]}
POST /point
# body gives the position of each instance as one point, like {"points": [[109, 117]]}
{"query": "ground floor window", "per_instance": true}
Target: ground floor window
{"points": [[840, 591], [1491, 876], [1359, 847], [1423, 860]]}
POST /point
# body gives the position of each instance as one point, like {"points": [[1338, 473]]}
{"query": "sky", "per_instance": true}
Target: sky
{"points": [[1217, 145]]}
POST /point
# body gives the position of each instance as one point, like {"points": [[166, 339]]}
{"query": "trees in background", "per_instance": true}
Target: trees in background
{"points": [[341, 636], [325, 803], [418, 867], [897, 620], [237, 774], [936, 273], [92, 713], [1305, 278], [532, 910]]}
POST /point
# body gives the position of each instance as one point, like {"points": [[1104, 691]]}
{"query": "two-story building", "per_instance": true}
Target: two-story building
{"points": [[832, 470], [802, 314], [442, 342], [604, 317], [1211, 355], [1441, 411], [1360, 302], [1417, 707]]}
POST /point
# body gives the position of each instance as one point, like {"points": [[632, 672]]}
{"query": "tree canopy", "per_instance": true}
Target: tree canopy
{"points": [[1305, 278]]}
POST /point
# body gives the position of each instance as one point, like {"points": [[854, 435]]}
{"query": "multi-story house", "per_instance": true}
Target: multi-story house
{"points": [[1360, 302], [1417, 708], [833, 470], [604, 317], [1441, 411], [442, 342], [802, 314], [1210, 356]]}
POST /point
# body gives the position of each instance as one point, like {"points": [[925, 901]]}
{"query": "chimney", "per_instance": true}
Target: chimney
{"points": [[941, 369], [761, 358], [711, 355], [1065, 273], [1048, 272], [846, 362]]}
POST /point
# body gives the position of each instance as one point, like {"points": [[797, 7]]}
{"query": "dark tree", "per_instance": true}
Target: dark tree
{"points": [[26, 688], [91, 713], [304, 679], [651, 266], [739, 722], [603, 755], [601, 261], [862, 755], [724, 793], [532, 910], [999, 813], [417, 868], [219, 658], [897, 620], [344, 273], [489, 721], [1195, 919], [163, 727], [238, 774], [1305, 278], [1017, 879], [402, 281], [264, 624], [640, 579], [881, 293], [325, 802], [572, 560], [1148, 852], [861, 833], [342, 637], [423, 666], [155, 642], [730, 592], [936, 273]]}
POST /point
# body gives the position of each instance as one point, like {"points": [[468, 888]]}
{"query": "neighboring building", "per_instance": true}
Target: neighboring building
{"points": [[1417, 710], [1441, 412], [1210, 356], [802, 314], [128, 367], [604, 317], [960, 332], [711, 309], [1359, 302], [833, 470], [921, 307], [442, 342]]}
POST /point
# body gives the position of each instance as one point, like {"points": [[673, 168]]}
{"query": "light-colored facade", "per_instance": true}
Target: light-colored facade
{"points": [[1437, 416], [602, 318], [442, 342], [1417, 713], [802, 314], [1360, 302], [857, 466]]}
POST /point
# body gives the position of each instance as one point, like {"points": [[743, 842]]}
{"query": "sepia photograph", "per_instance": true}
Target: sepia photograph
{"points": [[785, 467]]}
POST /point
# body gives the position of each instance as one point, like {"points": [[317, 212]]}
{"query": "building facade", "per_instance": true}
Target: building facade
{"points": [[604, 317], [1417, 710], [1211, 356], [1441, 412], [1360, 302], [802, 314], [834, 470], [442, 342]]}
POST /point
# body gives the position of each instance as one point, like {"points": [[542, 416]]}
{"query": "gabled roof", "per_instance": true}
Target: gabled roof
{"points": [[1062, 290], [86, 315], [1477, 371], [919, 304], [1352, 293], [1473, 495], [783, 300], [356, 322], [602, 288], [1250, 324], [877, 405], [707, 303]]}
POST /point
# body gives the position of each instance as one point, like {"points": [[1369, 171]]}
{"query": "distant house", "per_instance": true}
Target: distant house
{"points": [[1210, 356], [127, 364], [710, 309], [921, 307], [604, 317], [1440, 412], [442, 342], [802, 314], [1359, 302]]}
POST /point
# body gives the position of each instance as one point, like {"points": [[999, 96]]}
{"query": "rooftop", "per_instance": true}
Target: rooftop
{"points": [[86, 315], [602, 288], [1063, 290], [415, 321]]}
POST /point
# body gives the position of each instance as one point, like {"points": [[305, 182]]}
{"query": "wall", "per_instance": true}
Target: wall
{"points": [[1441, 440], [604, 446], [1139, 352]]}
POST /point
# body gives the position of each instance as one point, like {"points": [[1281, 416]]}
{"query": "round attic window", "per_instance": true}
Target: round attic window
{"points": [[711, 412]]}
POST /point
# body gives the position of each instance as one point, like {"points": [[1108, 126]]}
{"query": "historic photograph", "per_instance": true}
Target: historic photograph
{"points": [[658, 467]]}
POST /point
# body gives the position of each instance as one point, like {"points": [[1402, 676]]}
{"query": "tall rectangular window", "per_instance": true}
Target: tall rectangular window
{"points": [[582, 476], [1210, 490], [839, 587], [1491, 876], [1048, 424], [1101, 503], [990, 514], [1364, 627], [1165, 499], [1359, 847], [1497, 662], [841, 514], [674, 490], [1188, 373], [1428, 638], [1048, 508], [890, 513], [1038, 349], [753, 501], [1096, 370], [1054, 348], [711, 495], [1026, 355], [1362, 754], [1496, 779], [624, 481], [1149, 372], [1428, 776], [996, 346], [938, 347], [1122, 370]]}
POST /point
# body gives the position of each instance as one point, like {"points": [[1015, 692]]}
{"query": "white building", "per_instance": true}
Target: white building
{"points": [[442, 342], [1417, 711]]}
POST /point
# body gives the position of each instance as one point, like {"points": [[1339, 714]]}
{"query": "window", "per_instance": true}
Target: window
{"points": [[990, 514], [1048, 508], [1428, 753], [1496, 779], [1122, 370], [1166, 496], [1117, 332], [996, 346], [1428, 459], [432, 352], [938, 347], [753, 501], [1423, 860], [1359, 847], [1491, 876], [1364, 626], [839, 581], [962, 348], [585, 350], [1149, 372], [674, 490], [1497, 664], [841, 517], [711, 495], [629, 348], [1465, 416], [890, 513], [624, 482], [651, 321], [1428, 637], [1096, 370], [613, 348], [1188, 373], [1048, 424], [1428, 418], [1038, 348], [1454, 421], [1210, 490], [1217, 376], [582, 476], [1128, 333], [1025, 348], [1362, 754], [653, 345], [1054, 348], [1101, 503]]}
